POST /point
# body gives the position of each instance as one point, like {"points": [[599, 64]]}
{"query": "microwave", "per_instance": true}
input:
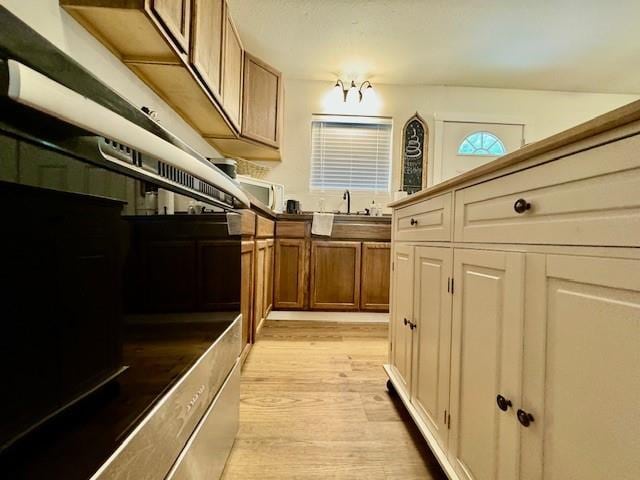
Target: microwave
{"points": [[269, 193]]}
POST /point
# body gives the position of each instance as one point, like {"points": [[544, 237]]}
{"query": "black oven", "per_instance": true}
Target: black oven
{"points": [[120, 320]]}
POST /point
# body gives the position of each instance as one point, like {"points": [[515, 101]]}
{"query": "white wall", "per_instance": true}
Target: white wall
{"points": [[52, 22], [543, 112]]}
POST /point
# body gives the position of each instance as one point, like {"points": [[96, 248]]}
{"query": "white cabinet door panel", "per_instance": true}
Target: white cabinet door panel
{"points": [[582, 369], [486, 361], [402, 309]]}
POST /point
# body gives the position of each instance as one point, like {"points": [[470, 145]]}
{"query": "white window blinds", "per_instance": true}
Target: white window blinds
{"points": [[350, 152]]}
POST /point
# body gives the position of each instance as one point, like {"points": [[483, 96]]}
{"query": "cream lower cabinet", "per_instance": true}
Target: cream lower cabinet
{"points": [[432, 338], [582, 368], [402, 339], [422, 332], [486, 360]]}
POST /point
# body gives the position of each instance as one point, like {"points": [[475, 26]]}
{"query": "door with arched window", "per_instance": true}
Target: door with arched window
{"points": [[467, 145]]}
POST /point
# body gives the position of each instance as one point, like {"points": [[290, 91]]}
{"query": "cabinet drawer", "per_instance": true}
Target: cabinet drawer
{"points": [[429, 220], [292, 229], [171, 422], [264, 227], [589, 198], [205, 454]]}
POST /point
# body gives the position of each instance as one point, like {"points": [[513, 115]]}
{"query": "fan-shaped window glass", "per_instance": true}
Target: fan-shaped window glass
{"points": [[482, 143]]}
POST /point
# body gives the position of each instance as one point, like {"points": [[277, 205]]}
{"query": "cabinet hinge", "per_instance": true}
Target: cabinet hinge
{"points": [[449, 422], [452, 286], [445, 416], [393, 266], [448, 291]]}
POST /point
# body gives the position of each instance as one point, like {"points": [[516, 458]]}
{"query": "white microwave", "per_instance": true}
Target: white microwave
{"points": [[269, 193]]}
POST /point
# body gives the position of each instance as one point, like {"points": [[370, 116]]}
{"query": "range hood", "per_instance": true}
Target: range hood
{"points": [[121, 144]]}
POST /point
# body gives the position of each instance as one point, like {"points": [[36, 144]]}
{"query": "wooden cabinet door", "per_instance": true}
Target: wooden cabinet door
{"points": [[175, 15], [375, 278], [262, 101], [432, 338], [206, 42], [219, 275], [335, 275], [582, 368], [268, 278], [258, 316], [232, 71], [290, 275], [402, 312], [246, 292], [486, 361]]}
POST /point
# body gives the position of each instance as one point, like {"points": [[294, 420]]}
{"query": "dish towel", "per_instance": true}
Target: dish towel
{"points": [[322, 224]]}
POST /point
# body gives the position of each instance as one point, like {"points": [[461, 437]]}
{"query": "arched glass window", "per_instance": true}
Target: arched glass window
{"points": [[482, 143]]}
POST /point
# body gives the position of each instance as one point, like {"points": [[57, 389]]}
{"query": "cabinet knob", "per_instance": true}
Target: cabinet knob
{"points": [[503, 403], [414, 221], [521, 205], [411, 325], [406, 322], [524, 418]]}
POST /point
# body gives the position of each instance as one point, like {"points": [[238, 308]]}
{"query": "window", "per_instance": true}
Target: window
{"points": [[350, 152], [482, 143]]}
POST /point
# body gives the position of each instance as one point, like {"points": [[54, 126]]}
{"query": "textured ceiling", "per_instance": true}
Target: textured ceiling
{"points": [[577, 45]]}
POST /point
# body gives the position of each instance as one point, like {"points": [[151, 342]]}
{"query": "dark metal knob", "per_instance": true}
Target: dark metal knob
{"points": [[503, 403], [412, 326], [521, 205], [406, 322], [414, 221], [524, 418]]}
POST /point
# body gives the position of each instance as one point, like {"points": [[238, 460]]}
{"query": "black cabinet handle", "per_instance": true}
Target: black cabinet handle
{"points": [[521, 205], [406, 322], [414, 221], [524, 418], [503, 403], [411, 325]]}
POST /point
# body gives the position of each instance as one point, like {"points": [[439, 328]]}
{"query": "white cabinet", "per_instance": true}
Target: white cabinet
{"points": [[486, 361], [582, 368], [402, 314], [519, 358], [432, 338]]}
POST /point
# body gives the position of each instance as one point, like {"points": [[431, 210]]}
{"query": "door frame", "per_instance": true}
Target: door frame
{"points": [[434, 175]]}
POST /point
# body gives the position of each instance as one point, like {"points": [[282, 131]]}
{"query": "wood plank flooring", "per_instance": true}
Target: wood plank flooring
{"points": [[314, 405]]}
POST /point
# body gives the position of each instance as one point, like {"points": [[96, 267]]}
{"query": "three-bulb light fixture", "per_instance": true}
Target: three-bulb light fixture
{"points": [[348, 93]]}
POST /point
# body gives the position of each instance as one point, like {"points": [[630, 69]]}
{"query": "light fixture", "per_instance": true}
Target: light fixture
{"points": [[348, 93]]}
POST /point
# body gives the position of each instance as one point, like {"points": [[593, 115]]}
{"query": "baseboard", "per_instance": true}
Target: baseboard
{"points": [[340, 317], [435, 447]]}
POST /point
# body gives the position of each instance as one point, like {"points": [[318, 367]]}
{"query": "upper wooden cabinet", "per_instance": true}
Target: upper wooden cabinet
{"points": [[207, 42], [232, 89], [189, 52], [176, 17], [261, 110]]}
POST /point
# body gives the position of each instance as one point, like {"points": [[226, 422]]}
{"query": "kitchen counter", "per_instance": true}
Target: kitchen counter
{"points": [[535, 153], [338, 218]]}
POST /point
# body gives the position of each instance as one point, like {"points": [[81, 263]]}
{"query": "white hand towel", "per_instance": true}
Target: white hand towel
{"points": [[322, 224]]}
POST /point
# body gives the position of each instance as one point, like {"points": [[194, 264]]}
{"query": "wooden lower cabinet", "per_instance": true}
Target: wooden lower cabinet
{"points": [[335, 275], [290, 273], [258, 311], [246, 293], [582, 368], [486, 361], [375, 278], [432, 338], [269, 256]]}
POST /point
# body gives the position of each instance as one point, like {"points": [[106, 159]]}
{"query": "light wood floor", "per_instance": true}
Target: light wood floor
{"points": [[314, 405]]}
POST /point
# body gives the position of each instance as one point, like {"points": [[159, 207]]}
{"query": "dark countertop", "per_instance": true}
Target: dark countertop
{"points": [[339, 218]]}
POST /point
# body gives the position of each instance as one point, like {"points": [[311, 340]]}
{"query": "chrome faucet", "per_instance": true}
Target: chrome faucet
{"points": [[347, 196]]}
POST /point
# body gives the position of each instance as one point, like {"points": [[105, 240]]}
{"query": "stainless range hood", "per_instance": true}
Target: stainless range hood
{"points": [[122, 144]]}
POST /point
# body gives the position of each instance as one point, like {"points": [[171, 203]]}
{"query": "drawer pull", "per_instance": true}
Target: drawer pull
{"points": [[521, 205], [503, 403], [414, 221], [411, 325], [524, 418]]}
